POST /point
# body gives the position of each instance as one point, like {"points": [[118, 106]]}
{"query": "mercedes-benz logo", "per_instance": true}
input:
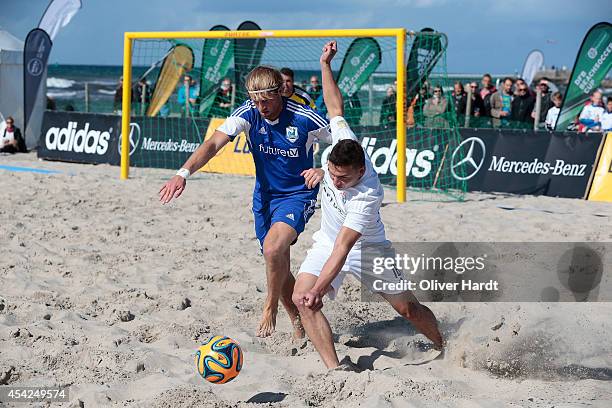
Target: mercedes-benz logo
{"points": [[467, 166], [134, 138]]}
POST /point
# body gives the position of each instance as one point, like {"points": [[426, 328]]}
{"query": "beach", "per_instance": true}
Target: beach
{"points": [[104, 290]]}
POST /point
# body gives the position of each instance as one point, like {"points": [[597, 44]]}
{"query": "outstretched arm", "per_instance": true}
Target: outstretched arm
{"points": [[331, 92]]}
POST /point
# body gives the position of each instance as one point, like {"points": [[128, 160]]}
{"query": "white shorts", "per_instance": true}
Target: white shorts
{"points": [[320, 252]]}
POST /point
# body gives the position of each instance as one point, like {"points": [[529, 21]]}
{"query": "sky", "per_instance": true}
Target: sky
{"points": [[484, 35]]}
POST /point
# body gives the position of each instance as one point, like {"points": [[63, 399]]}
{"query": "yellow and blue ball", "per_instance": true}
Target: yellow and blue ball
{"points": [[219, 360]]}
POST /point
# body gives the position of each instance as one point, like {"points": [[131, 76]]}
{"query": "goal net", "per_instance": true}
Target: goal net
{"points": [[185, 84]]}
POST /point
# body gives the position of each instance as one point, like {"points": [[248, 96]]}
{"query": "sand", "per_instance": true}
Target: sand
{"points": [[106, 291]]}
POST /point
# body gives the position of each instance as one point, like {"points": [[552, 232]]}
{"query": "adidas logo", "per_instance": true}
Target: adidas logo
{"points": [[291, 217], [263, 130]]}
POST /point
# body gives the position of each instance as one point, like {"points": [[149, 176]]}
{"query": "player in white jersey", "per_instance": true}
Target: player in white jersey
{"points": [[351, 200]]}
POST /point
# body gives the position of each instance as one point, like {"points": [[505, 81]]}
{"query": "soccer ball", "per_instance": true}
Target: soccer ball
{"points": [[219, 360]]}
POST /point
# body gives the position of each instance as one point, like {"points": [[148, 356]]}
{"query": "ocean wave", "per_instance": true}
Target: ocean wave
{"points": [[107, 91], [108, 82], [53, 82], [61, 95]]}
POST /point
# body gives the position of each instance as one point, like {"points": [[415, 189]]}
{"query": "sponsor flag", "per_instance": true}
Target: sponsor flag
{"points": [[248, 54], [36, 51], [217, 55], [362, 58], [592, 64], [57, 15], [425, 52], [533, 63], [360, 61], [178, 62]]}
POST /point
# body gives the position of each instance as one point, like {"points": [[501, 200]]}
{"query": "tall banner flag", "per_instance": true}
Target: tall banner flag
{"points": [[533, 63], [36, 50], [217, 55], [592, 64], [425, 52], [57, 15], [178, 62], [248, 54], [362, 58]]}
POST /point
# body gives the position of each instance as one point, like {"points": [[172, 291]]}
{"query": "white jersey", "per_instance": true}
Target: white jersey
{"points": [[358, 207], [551, 117], [592, 112]]}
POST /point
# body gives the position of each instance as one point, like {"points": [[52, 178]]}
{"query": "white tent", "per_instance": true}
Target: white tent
{"points": [[11, 88]]}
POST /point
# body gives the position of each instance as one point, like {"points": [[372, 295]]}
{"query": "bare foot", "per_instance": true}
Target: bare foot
{"points": [[267, 324]]}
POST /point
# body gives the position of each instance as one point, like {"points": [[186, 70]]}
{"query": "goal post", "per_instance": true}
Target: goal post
{"points": [[298, 49]]}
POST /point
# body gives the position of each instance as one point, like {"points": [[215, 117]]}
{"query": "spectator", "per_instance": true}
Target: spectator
{"points": [[522, 105], [434, 109], [437, 104], [591, 115], [606, 118], [546, 103], [487, 90], [501, 103], [520, 82], [422, 98], [222, 105], [477, 105], [388, 110], [189, 88], [314, 89], [553, 113], [459, 98], [293, 92], [141, 89], [11, 140]]}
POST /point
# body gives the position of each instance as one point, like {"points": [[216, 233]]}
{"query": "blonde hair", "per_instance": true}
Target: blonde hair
{"points": [[264, 82]]}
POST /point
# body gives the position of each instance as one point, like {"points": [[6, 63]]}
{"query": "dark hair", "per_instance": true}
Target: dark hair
{"points": [[508, 79], [557, 95], [347, 152], [487, 76], [460, 84], [10, 118], [287, 71]]}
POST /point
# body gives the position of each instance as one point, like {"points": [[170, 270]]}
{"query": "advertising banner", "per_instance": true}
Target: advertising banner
{"points": [[79, 137]]}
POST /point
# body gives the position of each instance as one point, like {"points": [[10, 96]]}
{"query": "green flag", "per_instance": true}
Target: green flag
{"points": [[360, 61], [362, 58], [424, 55], [217, 55], [592, 65]]}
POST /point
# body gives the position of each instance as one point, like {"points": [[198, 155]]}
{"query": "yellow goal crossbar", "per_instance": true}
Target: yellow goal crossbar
{"points": [[398, 33]]}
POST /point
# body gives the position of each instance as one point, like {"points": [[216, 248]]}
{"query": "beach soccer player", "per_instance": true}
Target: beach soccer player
{"points": [[350, 202], [280, 134]]}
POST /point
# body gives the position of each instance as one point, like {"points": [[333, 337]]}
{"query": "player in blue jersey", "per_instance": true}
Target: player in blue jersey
{"points": [[280, 134]]}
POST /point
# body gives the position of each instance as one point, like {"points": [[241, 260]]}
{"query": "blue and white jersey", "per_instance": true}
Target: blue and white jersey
{"points": [[282, 148]]}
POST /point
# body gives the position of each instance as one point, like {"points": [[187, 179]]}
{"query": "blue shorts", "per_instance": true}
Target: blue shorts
{"points": [[294, 211]]}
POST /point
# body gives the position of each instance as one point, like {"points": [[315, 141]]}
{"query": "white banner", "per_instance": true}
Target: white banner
{"points": [[58, 15], [533, 63]]}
